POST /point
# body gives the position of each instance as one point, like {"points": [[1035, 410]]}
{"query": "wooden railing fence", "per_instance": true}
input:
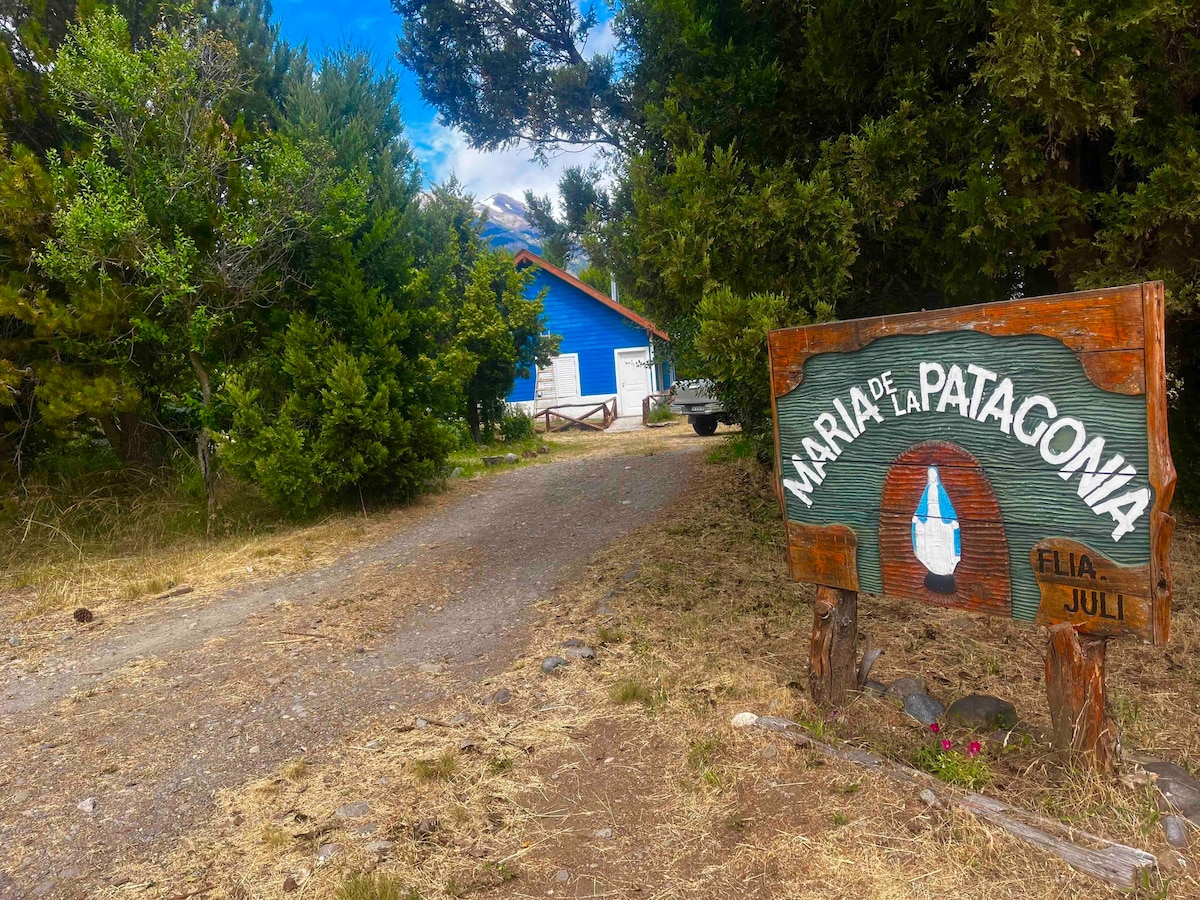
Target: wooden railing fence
{"points": [[606, 410]]}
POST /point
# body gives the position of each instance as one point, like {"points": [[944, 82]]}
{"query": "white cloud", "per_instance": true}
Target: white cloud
{"points": [[602, 39], [445, 151]]}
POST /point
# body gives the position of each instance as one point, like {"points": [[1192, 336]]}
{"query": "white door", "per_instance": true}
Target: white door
{"points": [[633, 380]]}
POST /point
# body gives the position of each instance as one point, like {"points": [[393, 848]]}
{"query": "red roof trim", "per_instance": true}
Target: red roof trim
{"points": [[526, 256]]}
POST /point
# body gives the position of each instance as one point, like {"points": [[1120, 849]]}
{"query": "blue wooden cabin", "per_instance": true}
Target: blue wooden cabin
{"points": [[606, 351]]}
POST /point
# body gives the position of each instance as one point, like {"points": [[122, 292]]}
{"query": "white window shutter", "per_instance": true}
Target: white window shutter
{"points": [[566, 377]]}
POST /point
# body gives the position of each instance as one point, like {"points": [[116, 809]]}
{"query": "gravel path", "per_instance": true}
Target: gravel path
{"points": [[145, 723]]}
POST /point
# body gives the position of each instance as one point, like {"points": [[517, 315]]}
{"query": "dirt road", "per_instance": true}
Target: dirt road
{"points": [[113, 750]]}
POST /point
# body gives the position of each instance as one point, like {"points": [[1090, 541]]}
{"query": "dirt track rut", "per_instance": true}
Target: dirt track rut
{"points": [[152, 719]]}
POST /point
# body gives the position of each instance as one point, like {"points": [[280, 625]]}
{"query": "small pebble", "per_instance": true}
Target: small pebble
{"points": [[87, 806], [562, 876], [552, 664], [353, 810], [327, 852], [603, 833], [744, 720]]}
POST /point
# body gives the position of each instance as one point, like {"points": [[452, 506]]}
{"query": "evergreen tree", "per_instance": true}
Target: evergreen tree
{"points": [[582, 205], [344, 400], [492, 333], [505, 72], [975, 152], [35, 123], [168, 235]]}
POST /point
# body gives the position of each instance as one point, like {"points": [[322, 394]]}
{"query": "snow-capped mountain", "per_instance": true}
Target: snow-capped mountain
{"points": [[507, 225]]}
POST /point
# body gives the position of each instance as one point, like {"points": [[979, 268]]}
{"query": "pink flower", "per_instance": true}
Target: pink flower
{"points": [[975, 748], [935, 727], [945, 744]]}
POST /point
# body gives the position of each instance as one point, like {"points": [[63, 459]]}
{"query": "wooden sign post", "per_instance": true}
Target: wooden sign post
{"points": [[1009, 458]]}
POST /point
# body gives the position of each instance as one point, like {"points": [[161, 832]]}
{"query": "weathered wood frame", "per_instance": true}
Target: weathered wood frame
{"points": [[1117, 334], [607, 415]]}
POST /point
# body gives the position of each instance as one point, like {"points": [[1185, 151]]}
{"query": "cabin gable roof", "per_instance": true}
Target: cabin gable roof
{"points": [[525, 257]]}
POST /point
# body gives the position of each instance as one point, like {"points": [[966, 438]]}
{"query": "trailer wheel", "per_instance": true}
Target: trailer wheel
{"points": [[705, 425]]}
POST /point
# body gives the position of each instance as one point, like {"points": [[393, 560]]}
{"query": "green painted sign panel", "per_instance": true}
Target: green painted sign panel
{"points": [[1009, 459], [1063, 457]]}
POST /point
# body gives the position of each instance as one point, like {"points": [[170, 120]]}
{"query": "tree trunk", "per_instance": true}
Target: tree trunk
{"points": [[134, 442], [834, 673], [204, 445], [1075, 689], [473, 420]]}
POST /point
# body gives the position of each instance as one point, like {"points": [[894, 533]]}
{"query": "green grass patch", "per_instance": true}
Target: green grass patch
{"points": [[470, 459], [701, 751], [733, 448], [375, 887], [952, 767], [631, 690], [609, 634], [440, 768]]}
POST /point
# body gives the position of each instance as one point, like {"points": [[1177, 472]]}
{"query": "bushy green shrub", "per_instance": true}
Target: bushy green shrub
{"points": [[660, 412], [461, 432], [516, 424], [333, 424]]}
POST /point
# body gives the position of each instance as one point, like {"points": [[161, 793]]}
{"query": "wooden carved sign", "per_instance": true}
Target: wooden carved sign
{"points": [[1009, 458]]}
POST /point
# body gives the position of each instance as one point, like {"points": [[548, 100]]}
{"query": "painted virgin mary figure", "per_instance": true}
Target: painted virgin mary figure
{"points": [[936, 539]]}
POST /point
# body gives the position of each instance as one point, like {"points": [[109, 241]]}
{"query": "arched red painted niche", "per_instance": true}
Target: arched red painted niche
{"points": [[978, 579]]}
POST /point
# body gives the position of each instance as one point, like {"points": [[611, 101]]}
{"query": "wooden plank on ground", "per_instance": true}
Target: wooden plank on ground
{"points": [[1117, 865]]}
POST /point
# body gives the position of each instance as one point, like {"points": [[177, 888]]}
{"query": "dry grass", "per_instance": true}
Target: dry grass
{"points": [[115, 542], [627, 776]]}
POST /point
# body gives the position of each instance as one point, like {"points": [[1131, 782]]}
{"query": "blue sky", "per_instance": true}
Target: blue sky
{"points": [[443, 151]]}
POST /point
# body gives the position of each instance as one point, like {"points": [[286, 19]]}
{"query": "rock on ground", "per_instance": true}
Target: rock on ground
{"points": [[983, 712], [1180, 791], [908, 684], [923, 708], [1176, 831]]}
